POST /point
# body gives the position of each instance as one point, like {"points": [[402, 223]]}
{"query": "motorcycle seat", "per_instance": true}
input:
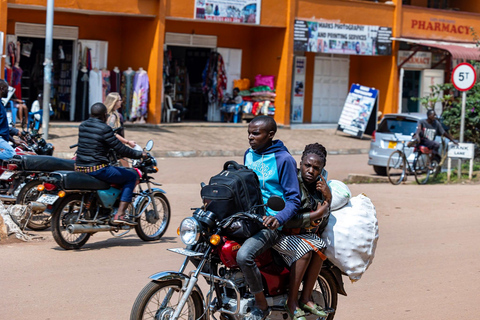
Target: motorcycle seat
{"points": [[73, 180], [44, 163]]}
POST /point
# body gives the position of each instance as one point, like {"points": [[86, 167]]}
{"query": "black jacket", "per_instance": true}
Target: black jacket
{"points": [[95, 139]]}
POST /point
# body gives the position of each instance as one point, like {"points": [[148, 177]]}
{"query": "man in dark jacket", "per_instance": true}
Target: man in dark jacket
{"points": [[95, 139], [6, 150]]}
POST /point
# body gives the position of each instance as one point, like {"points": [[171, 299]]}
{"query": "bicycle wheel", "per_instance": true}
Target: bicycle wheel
{"points": [[422, 168], [396, 167]]}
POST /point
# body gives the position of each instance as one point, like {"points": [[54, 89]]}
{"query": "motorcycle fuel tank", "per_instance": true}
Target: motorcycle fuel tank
{"points": [[228, 253], [108, 197]]}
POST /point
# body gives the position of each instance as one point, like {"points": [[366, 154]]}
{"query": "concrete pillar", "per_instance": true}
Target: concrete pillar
{"points": [[3, 28]]}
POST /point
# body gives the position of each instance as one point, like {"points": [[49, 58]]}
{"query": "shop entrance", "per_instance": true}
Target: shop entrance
{"points": [[31, 63], [410, 89], [184, 81]]}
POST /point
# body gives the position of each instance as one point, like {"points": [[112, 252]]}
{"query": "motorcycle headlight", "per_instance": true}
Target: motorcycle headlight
{"points": [[189, 231]]}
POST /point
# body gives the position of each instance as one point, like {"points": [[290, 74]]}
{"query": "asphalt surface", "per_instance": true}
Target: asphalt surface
{"points": [[203, 139]]}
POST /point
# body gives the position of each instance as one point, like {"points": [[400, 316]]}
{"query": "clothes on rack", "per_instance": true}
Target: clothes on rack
{"points": [[140, 95], [105, 84], [94, 88], [214, 78], [127, 91]]}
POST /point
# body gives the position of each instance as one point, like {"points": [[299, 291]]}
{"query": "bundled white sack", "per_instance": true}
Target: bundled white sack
{"points": [[340, 194], [351, 236]]}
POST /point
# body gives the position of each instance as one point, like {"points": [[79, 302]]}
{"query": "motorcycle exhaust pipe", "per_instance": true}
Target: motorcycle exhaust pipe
{"points": [[37, 207], [85, 228], [7, 198]]}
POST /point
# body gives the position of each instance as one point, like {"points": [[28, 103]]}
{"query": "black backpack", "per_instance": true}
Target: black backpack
{"points": [[235, 189]]}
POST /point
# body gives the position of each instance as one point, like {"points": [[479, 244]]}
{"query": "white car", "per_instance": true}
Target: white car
{"points": [[393, 127]]}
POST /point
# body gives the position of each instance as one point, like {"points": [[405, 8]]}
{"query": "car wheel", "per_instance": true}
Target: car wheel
{"points": [[381, 171]]}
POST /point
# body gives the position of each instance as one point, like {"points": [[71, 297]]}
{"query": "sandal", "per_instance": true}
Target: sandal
{"points": [[257, 314], [298, 314], [316, 309], [123, 220]]}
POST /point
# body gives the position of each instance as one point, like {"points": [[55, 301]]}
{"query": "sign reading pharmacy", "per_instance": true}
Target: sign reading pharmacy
{"points": [[239, 11], [340, 38]]}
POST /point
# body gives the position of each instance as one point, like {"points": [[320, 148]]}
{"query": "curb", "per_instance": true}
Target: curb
{"points": [[216, 153], [365, 178]]}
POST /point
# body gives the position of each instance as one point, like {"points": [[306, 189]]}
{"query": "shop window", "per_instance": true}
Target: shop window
{"points": [[438, 4]]}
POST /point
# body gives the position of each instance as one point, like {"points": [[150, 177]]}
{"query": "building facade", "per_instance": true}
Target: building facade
{"points": [[314, 49]]}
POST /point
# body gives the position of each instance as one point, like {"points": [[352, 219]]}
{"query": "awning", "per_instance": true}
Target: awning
{"points": [[465, 51]]}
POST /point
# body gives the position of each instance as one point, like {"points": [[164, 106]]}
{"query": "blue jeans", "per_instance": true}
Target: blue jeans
{"points": [[125, 177], [6, 150], [251, 248]]}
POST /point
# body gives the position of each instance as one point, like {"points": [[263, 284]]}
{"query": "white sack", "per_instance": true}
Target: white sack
{"points": [[351, 236], [340, 194]]}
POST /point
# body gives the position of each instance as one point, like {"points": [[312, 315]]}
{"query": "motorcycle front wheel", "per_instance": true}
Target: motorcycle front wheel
{"points": [[38, 221], [325, 293], [66, 212], [158, 301], [151, 224]]}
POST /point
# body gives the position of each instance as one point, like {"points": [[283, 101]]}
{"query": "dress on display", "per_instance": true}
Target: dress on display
{"points": [[95, 88], [115, 79], [81, 109], [127, 92], [140, 95], [105, 84]]}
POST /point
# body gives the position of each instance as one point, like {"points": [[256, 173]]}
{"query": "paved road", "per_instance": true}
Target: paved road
{"points": [[426, 265]]}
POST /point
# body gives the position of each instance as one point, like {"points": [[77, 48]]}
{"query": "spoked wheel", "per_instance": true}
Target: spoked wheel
{"points": [[158, 301], [422, 168], [153, 224], [325, 293], [65, 213], [396, 167], [38, 221]]}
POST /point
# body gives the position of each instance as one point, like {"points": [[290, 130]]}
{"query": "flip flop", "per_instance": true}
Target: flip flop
{"points": [[298, 314], [316, 309]]}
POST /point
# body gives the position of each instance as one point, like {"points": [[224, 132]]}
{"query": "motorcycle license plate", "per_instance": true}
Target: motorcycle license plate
{"points": [[6, 175], [392, 144], [186, 252], [47, 198]]}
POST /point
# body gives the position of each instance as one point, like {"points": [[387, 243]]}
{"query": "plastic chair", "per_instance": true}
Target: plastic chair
{"points": [[169, 111], [10, 108], [33, 123]]}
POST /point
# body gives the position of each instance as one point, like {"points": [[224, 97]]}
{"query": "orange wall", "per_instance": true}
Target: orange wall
{"points": [[272, 12], [144, 7], [3, 28], [438, 24], [467, 5], [308, 99], [353, 12]]}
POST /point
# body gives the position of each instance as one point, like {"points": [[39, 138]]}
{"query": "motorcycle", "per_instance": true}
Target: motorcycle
{"points": [[83, 205], [176, 295]]}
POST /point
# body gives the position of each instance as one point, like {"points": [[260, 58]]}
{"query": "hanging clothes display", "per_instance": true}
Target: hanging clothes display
{"points": [[140, 96], [94, 87], [115, 80], [105, 83], [81, 99], [214, 78], [127, 92], [16, 81]]}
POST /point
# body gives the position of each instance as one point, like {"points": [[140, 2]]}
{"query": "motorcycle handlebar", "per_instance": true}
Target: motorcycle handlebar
{"points": [[74, 146]]}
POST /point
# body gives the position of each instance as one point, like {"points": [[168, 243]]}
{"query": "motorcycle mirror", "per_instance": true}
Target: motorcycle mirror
{"points": [[202, 184], [276, 203], [149, 145]]}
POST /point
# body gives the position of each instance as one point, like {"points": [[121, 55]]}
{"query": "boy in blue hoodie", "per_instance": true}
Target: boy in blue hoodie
{"points": [[277, 172]]}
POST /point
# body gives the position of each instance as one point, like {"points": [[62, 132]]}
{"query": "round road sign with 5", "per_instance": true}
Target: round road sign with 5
{"points": [[464, 77]]}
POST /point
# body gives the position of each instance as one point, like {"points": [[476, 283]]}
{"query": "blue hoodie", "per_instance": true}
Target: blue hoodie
{"points": [[277, 171]]}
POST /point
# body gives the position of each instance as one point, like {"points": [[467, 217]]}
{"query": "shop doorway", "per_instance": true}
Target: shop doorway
{"points": [[330, 88], [184, 82], [31, 63], [410, 89]]}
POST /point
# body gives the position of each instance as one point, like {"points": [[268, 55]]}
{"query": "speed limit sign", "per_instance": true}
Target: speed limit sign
{"points": [[464, 77]]}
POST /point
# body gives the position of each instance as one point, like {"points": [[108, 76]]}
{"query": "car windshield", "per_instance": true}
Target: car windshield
{"points": [[398, 125]]}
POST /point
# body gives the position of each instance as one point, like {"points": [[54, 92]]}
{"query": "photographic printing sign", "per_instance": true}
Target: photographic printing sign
{"points": [[342, 38], [357, 109], [299, 87], [240, 11]]}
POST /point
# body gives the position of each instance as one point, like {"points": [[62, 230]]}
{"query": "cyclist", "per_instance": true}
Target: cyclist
{"points": [[428, 129]]}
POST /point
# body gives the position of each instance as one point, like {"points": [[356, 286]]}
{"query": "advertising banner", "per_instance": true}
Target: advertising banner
{"points": [[339, 38], [359, 105], [240, 11], [299, 89], [420, 60]]}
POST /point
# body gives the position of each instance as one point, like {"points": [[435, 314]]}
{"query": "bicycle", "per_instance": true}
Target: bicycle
{"points": [[398, 166]]}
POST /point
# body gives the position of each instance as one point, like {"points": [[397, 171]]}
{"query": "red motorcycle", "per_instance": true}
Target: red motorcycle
{"points": [[176, 295]]}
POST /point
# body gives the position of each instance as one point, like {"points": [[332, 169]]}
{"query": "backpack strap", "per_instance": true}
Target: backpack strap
{"points": [[233, 164]]}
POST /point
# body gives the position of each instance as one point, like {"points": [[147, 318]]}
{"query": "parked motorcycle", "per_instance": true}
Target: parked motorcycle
{"points": [[83, 205], [176, 295]]}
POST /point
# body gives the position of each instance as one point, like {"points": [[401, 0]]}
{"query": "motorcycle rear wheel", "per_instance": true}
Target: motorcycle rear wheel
{"points": [[65, 213], [151, 226], [38, 221], [150, 302], [326, 285]]}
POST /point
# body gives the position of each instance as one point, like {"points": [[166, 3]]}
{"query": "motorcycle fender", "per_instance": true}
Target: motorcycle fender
{"points": [[141, 196], [174, 275], [337, 275]]}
